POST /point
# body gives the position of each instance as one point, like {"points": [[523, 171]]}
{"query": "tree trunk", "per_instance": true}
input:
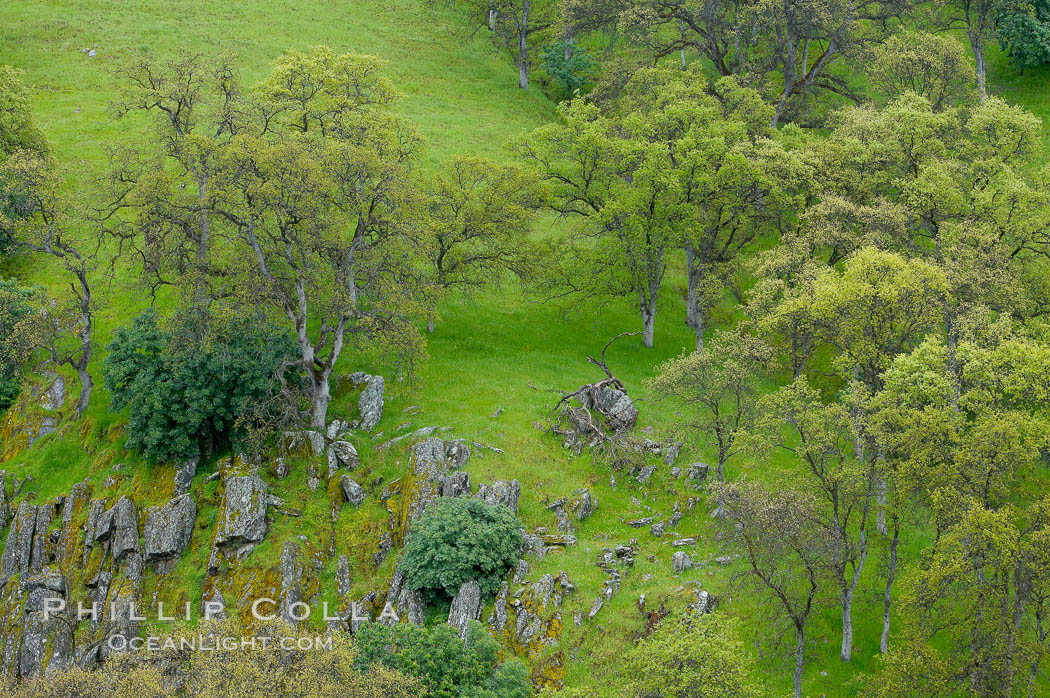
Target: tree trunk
{"points": [[681, 31], [523, 46], [493, 14], [86, 384], [568, 45], [800, 643], [977, 43], [694, 303], [887, 598], [847, 624], [430, 324], [649, 323], [321, 395], [87, 324]]}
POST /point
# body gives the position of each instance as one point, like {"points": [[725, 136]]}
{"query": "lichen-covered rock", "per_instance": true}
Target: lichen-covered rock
{"points": [[184, 473], [505, 492], [68, 540], [370, 403], [680, 562], [498, 618], [47, 639], [586, 505], [120, 526], [44, 515], [455, 485], [19, 546], [169, 528], [243, 516], [466, 606], [430, 461], [618, 409], [352, 492], [342, 454], [342, 576], [291, 582], [697, 472]]}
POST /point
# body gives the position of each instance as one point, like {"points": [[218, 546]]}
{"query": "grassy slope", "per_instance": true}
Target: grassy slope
{"points": [[485, 350]]}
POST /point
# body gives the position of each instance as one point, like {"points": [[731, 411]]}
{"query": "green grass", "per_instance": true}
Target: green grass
{"points": [[494, 350]]}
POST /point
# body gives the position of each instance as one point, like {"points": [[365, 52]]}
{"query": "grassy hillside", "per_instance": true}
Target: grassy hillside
{"points": [[496, 350]]}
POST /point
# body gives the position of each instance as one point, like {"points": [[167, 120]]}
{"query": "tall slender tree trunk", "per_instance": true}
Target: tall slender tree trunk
{"points": [[694, 303], [648, 308], [681, 31], [523, 46], [887, 597], [87, 325], [977, 44], [800, 644], [493, 14]]}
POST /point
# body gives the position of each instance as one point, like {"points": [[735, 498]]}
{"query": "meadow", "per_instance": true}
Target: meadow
{"points": [[498, 350]]}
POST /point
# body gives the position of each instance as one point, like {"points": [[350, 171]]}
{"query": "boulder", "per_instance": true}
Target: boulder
{"points": [[455, 485], [353, 492], [184, 476], [370, 402], [344, 454], [243, 516], [697, 472], [430, 461], [680, 562], [505, 492], [125, 538], [498, 618], [618, 409], [466, 606], [291, 581], [586, 506], [169, 528], [645, 474]]}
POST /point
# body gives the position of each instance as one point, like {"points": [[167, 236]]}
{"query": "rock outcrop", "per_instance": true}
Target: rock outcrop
{"points": [[466, 606], [505, 492], [168, 530]]}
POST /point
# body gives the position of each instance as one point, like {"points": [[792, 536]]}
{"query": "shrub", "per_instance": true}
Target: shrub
{"points": [[187, 387], [447, 666], [571, 73], [264, 671], [17, 337], [690, 656], [461, 539]]}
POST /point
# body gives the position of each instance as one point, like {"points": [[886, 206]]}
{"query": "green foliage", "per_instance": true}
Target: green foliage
{"points": [[720, 387], [570, 65], [480, 214], [460, 539], [188, 386], [1023, 30], [17, 336], [446, 665], [690, 656], [935, 67], [17, 129]]}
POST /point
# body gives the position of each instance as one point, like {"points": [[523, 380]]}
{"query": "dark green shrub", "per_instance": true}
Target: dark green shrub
{"points": [[447, 666], [187, 386], [1023, 31], [571, 73], [457, 540]]}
